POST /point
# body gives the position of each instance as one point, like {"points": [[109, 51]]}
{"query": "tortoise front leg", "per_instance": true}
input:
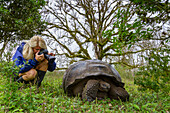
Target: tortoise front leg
{"points": [[90, 90], [118, 93]]}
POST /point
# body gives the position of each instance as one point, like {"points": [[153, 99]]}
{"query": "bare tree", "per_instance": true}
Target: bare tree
{"points": [[75, 29], [2, 49]]}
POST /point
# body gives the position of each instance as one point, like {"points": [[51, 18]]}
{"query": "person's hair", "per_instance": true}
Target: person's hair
{"points": [[33, 42]]}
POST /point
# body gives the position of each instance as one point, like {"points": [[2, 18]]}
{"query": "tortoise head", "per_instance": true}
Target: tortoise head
{"points": [[104, 86]]}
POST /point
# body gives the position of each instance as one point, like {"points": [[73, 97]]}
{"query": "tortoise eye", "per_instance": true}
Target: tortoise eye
{"points": [[103, 86]]}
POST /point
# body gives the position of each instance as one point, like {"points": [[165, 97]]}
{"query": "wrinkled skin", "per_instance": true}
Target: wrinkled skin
{"points": [[99, 89], [92, 87]]}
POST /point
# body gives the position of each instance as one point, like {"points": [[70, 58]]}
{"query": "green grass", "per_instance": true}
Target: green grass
{"points": [[51, 98]]}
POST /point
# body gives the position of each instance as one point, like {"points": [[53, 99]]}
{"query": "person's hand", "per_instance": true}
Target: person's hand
{"points": [[52, 54], [39, 58], [20, 74]]}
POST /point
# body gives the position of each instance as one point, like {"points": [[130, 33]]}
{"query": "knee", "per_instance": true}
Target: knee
{"points": [[31, 74]]}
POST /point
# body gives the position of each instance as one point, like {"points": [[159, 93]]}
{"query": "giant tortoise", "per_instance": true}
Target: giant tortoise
{"points": [[91, 79]]}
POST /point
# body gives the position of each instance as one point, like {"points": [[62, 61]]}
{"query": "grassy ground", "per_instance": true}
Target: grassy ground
{"points": [[51, 98]]}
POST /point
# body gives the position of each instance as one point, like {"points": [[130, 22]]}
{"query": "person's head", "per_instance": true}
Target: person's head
{"points": [[33, 46]]}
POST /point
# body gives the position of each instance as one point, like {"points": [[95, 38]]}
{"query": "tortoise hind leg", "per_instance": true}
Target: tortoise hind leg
{"points": [[90, 90], [118, 93]]}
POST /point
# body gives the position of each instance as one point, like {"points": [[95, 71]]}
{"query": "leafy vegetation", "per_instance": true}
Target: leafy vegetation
{"points": [[15, 97], [155, 75], [129, 33], [152, 6], [20, 19]]}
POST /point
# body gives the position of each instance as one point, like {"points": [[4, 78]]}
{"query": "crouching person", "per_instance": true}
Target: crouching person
{"points": [[33, 66]]}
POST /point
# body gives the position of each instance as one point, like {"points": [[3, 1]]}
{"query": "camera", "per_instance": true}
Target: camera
{"points": [[46, 56]]}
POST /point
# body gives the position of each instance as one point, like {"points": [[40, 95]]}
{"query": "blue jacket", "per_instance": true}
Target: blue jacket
{"points": [[20, 61]]}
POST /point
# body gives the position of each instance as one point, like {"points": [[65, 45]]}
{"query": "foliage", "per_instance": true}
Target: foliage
{"points": [[134, 31], [50, 97], [126, 75], [128, 33], [160, 7], [155, 75], [20, 19]]}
